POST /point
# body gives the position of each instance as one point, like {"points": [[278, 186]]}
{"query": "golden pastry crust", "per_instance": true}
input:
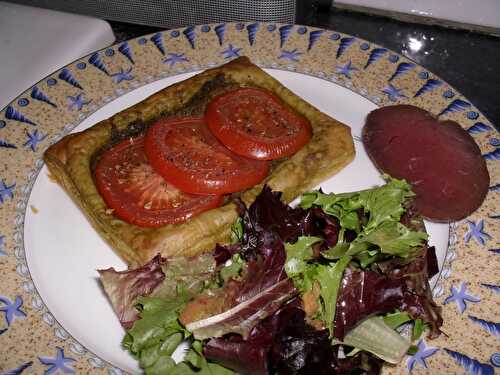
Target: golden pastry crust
{"points": [[70, 162]]}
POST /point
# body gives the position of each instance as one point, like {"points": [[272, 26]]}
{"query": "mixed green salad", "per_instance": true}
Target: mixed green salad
{"points": [[337, 285]]}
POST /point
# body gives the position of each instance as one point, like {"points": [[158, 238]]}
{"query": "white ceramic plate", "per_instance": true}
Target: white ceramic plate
{"points": [[64, 252]]}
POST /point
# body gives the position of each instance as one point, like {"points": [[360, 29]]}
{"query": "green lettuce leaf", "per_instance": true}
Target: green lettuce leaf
{"points": [[155, 336], [194, 363], [418, 329], [375, 336], [158, 321], [233, 270], [237, 230], [297, 255], [396, 319], [186, 275], [382, 233], [389, 237], [329, 277]]}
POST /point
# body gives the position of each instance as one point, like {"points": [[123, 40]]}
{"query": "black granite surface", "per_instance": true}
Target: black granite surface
{"points": [[468, 61]]}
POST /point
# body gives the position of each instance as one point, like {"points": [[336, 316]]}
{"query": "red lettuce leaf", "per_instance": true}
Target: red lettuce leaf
{"points": [[125, 287], [285, 344], [404, 286], [299, 348], [432, 262], [160, 277], [222, 253], [269, 217], [268, 213], [240, 304], [416, 276]]}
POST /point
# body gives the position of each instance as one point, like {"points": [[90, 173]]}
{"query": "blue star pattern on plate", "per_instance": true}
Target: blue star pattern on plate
{"points": [[122, 75], [2, 251], [346, 69], [12, 309], [393, 93], [57, 363], [420, 356], [231, 52], [33, 139], [174, 58], [460, 297], [77, 102], [476, 231], [6, 191], [290, 55]]}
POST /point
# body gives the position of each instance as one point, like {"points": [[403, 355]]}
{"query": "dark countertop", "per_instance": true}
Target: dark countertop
{"points": [[468, 61]]}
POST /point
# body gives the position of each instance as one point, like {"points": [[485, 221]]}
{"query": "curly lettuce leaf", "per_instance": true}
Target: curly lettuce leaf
{"points": [[158, 320], [155, 336], [298, 253], [304, 275], [382, 233], [390, 237]]}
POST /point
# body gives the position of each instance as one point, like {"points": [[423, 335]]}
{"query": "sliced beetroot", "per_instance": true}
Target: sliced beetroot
{"points": [[439, 158]]}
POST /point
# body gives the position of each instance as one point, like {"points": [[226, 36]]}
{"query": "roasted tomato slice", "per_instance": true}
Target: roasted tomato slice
{"points": [[187, 155], [138, 195], [255, 123]]}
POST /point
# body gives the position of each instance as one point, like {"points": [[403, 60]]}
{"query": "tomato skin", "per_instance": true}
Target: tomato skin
{"points": [[187, 155], [254, 123], [138, 195]]}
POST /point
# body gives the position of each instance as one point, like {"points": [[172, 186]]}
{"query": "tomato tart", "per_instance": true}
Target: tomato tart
{"points": [[160, 177]]}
